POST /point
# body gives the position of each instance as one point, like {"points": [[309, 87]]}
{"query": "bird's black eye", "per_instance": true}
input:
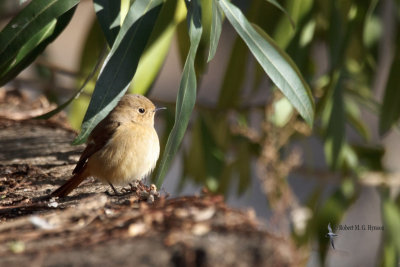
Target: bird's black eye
{"points": [[141, 110]]}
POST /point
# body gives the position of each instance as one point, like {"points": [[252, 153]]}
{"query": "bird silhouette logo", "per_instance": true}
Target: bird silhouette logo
{"points": [[331, 235]]}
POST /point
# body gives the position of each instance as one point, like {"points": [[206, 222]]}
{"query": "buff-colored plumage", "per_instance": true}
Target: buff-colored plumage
{"points": [[122, 148]]}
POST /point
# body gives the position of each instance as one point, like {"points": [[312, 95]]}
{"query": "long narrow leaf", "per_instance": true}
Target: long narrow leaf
{"points": [[187, 92], [390, 109], [234, 76], [216, 27], [94, 52], [27, 23], [277, 5], [28, 45], [107, 12], [335, 129], [391, 218], [282, 71], [121, 63], [172, 13], [78, 92]]}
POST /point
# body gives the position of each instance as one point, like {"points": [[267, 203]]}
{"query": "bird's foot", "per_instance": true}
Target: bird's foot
{"points": [[116, 193]]}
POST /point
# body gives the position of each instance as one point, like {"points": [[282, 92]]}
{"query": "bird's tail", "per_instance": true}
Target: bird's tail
{"points": [[70, 185]]}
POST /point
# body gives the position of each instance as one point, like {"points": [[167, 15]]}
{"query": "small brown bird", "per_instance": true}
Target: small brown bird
{"points": [[122, 148]]}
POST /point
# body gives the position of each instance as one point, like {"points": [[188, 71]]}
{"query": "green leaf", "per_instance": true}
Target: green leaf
{"points": [[194, 162], [281, 70], [78, 92], [214, 157], [94, 51], [232, 84], [121, 63], [335, 129], [389, 256], [391, 219], [390, 109], [31, 20], [183, 42], [107, 12], [331, 211], [31, 45], [353, 116], [21, 50], [243, 167], [187, 92], [276, 4], [284, 32], [216, 27], [172, 13]]}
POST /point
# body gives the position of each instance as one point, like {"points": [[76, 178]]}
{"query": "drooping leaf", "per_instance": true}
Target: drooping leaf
{"points": [[108, 15], [187, 91], [194, 161], [391, 219], [243, 167], [214, 157], [121, 63], [353, 116], [94, 51], [390, 109], [285, 32], [216, 28], [183, 42], [332, 211], [234, 77], [31, 20], [276, 4], [29, 33], [370, 156], [30, 46], [281, 70], [172, 13], [79, 91], [335, 127]]}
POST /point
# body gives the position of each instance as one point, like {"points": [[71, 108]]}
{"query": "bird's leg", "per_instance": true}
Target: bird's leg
{"points": [[116, 193]]}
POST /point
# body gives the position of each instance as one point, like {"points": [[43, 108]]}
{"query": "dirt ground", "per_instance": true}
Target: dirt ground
{"points": [[90, 227]]}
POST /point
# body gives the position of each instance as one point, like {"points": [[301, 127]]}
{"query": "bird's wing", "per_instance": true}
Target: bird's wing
{"points": [[97, 139], [333, 245], [329, 228]]}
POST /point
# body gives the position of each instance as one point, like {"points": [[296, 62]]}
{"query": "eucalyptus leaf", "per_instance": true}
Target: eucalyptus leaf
{"points": [[28, 34], [107, 12], [94, 51], [353, 116], [30, 45], [78, 92], [158, 46], [194, 162], [335, 129], [234, 76], [281, 70], [121, 63], [276, 4], [390, 109], [391, 219], [187, 92], [216, 27], [31, 20]]}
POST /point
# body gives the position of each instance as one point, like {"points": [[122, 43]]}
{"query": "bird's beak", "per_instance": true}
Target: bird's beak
{"points": [[160, 108]]}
